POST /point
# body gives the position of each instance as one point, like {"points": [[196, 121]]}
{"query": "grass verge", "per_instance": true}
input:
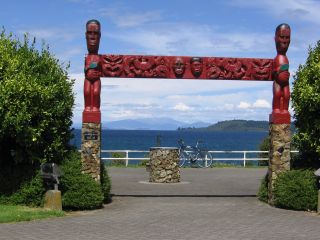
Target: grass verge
{"points": [[14, 213]]}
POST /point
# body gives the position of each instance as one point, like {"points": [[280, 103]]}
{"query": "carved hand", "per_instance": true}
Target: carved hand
{"points": [[93, 75], [283, 78]]}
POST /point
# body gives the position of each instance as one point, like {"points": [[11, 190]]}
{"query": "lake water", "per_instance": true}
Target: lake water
{"points": [[144, 139]]}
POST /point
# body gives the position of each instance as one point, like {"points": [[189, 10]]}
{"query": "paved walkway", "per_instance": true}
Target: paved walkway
{"points": [[219, 208]]}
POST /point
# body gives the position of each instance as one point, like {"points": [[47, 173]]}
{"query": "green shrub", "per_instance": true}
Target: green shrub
{"points": [[36, 103], [105, 185], [79, 191], [263, 190], [118, 162], [13, 176], [306, 102], [31, 193], [143, 163], [297, 190], [264, 146]]}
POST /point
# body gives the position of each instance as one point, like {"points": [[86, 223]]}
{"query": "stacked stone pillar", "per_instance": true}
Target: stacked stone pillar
{"points": [[91, 149], [279, 154], [164, 165]]}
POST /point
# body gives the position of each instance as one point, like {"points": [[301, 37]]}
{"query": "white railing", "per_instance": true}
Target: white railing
{"points": [[244, 157], [127, 155]]}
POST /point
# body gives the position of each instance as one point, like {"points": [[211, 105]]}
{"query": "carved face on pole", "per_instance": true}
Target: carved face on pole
{"points": [[282, 38], [196, 66], [93, 35], [179, 67]]}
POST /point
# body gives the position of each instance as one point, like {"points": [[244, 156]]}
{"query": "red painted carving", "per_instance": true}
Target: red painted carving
{"points": [[260, 69], [112, 65], [145, 67], [92, 83], [281, 91], [134, 66], [178, 67], [196, 66], [230, 68]]}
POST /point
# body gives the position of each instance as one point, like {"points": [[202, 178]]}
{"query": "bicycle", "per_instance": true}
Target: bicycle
{"points": [[194, 155]]}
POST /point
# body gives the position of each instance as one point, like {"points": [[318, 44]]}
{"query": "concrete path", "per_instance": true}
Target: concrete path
{"points": [[198, 210], [195, 182]]}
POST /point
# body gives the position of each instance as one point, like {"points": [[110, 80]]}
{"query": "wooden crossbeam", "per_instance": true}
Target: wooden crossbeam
{"points": [[182, 67]]}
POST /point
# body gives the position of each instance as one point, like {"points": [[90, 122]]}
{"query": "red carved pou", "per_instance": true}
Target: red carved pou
{"points": [[281, 91], [92, 83]]}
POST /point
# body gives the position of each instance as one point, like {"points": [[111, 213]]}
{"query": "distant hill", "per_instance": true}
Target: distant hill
{"points": [[234, 125], [150, 124]]}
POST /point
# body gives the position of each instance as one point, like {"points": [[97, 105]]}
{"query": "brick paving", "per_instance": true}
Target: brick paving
{"points": [[222, 208]]}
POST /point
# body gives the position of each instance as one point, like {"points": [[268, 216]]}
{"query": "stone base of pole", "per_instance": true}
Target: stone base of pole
{"points": [[164, 165], [91, 149], [279, 154], [52, 200]]}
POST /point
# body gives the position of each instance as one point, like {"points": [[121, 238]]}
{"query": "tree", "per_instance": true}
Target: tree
{"points": [[306, 104], [264, 146], [36, 103]]}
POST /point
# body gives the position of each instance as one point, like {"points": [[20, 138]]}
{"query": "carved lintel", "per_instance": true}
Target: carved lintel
{"points": [[138, 66]]}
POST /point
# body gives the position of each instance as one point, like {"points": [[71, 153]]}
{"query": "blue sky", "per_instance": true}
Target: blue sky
{"points": [[234, 28]]}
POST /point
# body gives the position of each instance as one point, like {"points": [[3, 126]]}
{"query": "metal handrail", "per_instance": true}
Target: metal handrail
{"points": [[245, 158]]}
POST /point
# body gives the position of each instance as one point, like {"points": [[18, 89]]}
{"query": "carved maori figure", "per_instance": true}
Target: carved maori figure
{"points": [[92, 84], [281, 91], [112, 65], [196, 66], [146, 66], [261, 69], [178, 67], [213, 69], [162, 69]]}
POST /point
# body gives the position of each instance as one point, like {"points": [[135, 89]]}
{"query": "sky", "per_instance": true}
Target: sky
{"points": [[233, 28]]}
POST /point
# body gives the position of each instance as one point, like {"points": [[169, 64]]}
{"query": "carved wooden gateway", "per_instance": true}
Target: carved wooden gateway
{"points": [[192, 67]]}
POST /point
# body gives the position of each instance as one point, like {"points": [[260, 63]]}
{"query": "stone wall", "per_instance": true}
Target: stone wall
{"points": [[164, 165], [91, 149], [279, 154]]}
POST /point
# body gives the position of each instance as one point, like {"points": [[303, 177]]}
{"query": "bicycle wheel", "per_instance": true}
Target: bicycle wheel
{"points": [[205, 160], [182, 158]]}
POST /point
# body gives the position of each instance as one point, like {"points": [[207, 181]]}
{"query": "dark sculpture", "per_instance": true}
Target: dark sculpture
{"points": [[281, 91], [92, 83]]}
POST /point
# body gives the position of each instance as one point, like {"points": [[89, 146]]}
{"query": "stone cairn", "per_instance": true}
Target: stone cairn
{"points": [[279, 155], [164, 165], [90, 149]]}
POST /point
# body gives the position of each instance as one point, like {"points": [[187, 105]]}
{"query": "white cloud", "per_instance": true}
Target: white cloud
{"points": [[50, 33], [71, 52], [296, 10], [244, 105], [261, 103], [123, 18], [192, 39], [188, 101], [228, 106], [182, 107]]}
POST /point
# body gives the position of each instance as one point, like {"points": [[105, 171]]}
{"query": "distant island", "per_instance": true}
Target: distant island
{"points": [[233, 126]]}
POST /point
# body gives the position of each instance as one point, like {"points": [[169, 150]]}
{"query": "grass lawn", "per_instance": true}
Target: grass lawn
{"points": [[10, 213]]}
